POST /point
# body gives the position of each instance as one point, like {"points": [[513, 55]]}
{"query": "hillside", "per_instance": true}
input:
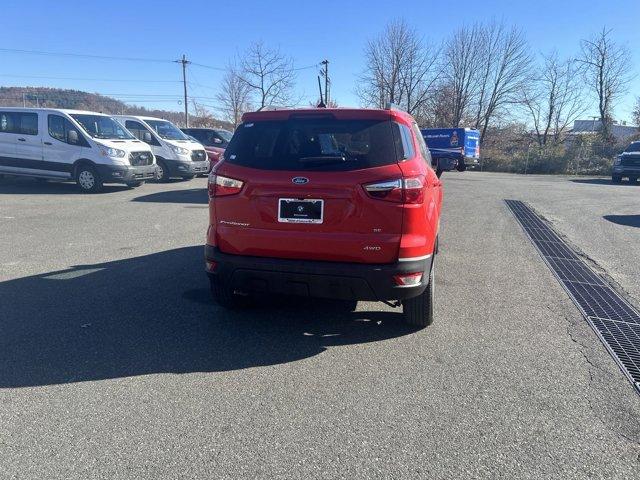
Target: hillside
{"points": [[76, 99]]}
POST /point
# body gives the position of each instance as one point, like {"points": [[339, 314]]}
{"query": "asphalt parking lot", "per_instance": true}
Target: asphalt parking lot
{"points": [[114, 363]]}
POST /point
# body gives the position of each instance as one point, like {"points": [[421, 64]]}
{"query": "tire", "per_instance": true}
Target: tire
{"points": [[616, 179], [134, 184], [87, 179], [418, 310], [633, 179], [223, 294], [162, 172]]}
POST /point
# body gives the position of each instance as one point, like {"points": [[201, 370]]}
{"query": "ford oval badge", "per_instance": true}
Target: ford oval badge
{"points": [[300, 180]]}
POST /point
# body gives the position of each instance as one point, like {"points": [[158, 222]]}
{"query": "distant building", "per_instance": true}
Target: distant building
{"points": [[619, 131]]}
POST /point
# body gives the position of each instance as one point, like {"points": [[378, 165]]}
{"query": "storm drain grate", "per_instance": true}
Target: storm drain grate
{"points": [[614, 320]]}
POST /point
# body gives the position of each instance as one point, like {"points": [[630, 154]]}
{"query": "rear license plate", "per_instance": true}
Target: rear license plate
{"points": [[292, 210]]}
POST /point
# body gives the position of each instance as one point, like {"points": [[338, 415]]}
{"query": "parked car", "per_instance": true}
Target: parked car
{"points": [[627, 164], [453, 148], [177, 156], [215, 141], [88, 147], [335, 203]]}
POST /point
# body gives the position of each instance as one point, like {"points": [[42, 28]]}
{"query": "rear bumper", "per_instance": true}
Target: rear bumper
{"points": [[348, 281], [126, 174]]}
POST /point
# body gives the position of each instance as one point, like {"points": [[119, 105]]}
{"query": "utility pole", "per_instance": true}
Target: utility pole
{"points": [[326, 81], [184, 63]]}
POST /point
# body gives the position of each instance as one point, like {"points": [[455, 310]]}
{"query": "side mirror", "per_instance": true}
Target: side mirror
{"points": [[217, 140], [73, 137], [146, 137]]}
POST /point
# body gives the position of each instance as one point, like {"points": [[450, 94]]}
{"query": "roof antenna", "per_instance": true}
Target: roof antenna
{"points": [[321, 104]]}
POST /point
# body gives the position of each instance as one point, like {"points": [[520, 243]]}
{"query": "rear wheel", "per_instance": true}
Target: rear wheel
{"points": [[616, 178], [419, 310], [88, 179]]}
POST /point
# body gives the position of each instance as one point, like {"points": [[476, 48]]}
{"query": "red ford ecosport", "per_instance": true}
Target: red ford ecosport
{"points": [[333, 203]]}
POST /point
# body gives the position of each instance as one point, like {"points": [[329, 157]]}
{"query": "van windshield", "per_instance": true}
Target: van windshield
{"points": [[100, 126], [313, 144], [166, 130]]}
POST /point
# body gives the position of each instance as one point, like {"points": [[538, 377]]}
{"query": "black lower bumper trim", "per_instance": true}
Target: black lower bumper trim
{"points": [[122, 174], [339, 280]]}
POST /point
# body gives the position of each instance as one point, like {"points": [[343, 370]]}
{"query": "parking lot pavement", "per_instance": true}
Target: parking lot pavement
{"points": [[114, 363]]}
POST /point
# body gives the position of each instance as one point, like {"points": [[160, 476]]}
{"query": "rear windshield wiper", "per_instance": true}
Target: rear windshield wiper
{"points": [[322, 160]]}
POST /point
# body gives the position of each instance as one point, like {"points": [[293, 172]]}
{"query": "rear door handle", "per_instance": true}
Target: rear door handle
{"points": [[48, 143], [22, 139]]}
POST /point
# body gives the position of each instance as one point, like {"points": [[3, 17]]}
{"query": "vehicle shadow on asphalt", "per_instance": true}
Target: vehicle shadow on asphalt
{"points": [[601, 181], [626, 220], [32, 186], [152, 314], [192, 195]]}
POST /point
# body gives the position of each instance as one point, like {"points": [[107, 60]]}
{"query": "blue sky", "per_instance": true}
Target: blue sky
{"points": [[212, 32]]}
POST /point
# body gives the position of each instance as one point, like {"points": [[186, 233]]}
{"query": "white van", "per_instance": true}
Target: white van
{"points": [[176, 154], [88, 147]]}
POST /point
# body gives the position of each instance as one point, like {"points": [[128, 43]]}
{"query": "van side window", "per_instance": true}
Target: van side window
{"points": [[59, 128], [22, 123], [138, 130]]}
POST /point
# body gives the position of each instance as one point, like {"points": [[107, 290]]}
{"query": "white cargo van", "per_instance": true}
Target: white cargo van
{"points": [[176, 154], [88, 147]]}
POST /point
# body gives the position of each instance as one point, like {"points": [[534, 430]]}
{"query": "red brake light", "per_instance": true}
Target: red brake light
{"points": [[402, 190], [220, 186]]}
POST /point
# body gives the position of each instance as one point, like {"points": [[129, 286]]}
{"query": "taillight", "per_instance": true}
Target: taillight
{"points": [[402, 190], [220, 186]]}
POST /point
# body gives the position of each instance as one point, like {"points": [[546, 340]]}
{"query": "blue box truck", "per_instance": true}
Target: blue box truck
{"points": [[453, 148]]}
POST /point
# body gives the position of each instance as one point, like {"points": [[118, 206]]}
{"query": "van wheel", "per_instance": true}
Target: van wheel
{"points": [[419, 310], [88, 179], [616, 179], [223, 294], [162, 172]]}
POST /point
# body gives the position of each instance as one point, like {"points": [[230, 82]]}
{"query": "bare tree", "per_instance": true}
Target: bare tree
{"points": [[200, 117], [400, 68], [606, 73], [462, 60], [269, 76], [554, 98], [233, 97], [635, 115], [504, 70]]}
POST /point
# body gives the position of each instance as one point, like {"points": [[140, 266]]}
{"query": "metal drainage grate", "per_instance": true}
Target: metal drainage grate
{"points": [[614, 320]]}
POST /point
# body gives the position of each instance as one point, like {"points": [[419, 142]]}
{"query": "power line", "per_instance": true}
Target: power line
{"points": [[84, 55], [45, 77]]}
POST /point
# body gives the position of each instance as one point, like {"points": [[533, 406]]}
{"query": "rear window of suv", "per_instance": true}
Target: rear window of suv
{"points": [[314, 144]]}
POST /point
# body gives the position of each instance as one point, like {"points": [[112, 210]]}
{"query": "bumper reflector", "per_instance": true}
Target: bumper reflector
{"points": [[408, 279], [210, 266]]}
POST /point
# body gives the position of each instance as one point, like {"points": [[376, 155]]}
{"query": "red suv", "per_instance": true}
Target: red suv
{"points": [[332, 203]]}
